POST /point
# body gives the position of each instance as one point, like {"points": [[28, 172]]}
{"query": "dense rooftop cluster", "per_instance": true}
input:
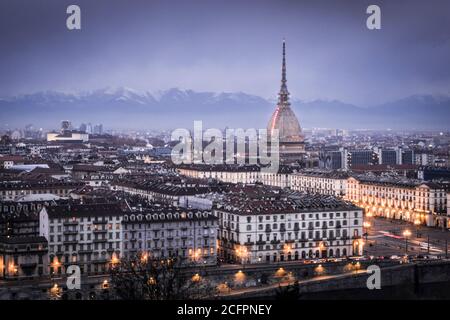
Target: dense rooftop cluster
{"points": [[262, 200]]}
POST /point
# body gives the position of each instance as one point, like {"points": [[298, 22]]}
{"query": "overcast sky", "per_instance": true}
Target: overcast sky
{"points": [[228, 46]]}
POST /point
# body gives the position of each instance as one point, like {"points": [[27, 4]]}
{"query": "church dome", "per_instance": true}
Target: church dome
{"points": [[284, 118], [286, 122]]}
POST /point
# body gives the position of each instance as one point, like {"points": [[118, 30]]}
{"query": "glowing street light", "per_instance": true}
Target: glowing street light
{"points": [[280, 272], [242, 253], [239, 276], [114, 259], [196, 278], [319, 270], [366, 226], [417, 223], [406, 234], [12, 268], [55, 292], [144, 257]]}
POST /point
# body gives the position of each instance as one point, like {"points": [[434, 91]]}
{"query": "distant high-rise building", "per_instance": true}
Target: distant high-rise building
{"points": [[394, 156], [89, 128], [291, 139], [407, 156], [98, 129], [65, 125], [387, 156], [361, 157], [83, 127], [424, 158], [332, 160]]}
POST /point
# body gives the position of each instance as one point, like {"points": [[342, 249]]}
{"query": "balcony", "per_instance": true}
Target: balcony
{"points": [[100, 260], [275, 241], [70, 232], [260, 243], [28, 265], [100, 222], [249, 243], [100, 231], [70, 223], [70, 242], [289, 241]]}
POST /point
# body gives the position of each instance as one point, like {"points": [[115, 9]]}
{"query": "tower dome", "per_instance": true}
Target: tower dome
{"points": [[291, 139]]}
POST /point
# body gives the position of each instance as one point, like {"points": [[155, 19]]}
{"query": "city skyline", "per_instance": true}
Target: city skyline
{"points": [[239, 151]]}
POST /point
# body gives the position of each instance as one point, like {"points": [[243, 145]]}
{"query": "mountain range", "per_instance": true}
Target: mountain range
{"points": [[127, 108]]}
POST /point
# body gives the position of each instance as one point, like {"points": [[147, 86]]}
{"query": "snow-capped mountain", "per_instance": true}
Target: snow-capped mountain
{"points": [[126, 107]]}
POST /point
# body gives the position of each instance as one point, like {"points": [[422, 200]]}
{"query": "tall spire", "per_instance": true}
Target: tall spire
{"points": [[283, 99]]}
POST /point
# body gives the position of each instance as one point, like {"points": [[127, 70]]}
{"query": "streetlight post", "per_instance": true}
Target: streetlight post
{"points": [[367, 225], [417, 223], [406, 234]]}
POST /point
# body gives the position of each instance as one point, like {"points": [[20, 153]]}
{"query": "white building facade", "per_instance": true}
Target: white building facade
{"points": [[89, 236], [284, 229], [190, 236]]}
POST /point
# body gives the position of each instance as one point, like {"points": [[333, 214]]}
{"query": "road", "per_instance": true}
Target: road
{"points": [[386, 238], [238, 292]]}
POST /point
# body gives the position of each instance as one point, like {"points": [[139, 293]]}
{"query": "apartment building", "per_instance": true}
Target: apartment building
{"points": [[319, 181], [411, 200], [164, 231], [258, 224], [87, 235]]}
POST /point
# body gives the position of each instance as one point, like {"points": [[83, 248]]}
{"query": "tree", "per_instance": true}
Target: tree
{"points": [[145, 278]]}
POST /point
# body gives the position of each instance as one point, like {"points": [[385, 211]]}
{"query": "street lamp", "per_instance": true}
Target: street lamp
{"points": [[366, 226], [406, 234], [417, 223]]}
